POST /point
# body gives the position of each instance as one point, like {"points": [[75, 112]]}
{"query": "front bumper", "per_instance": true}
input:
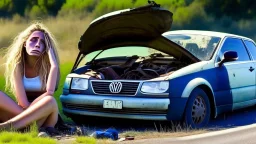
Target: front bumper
{"points": [[143, 108]]}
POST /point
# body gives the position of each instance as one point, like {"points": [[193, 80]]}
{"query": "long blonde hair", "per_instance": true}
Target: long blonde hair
{"points": [[16, 57]]}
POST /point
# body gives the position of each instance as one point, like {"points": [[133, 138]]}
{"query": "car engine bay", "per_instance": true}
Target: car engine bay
{"points": [[134, 67]]}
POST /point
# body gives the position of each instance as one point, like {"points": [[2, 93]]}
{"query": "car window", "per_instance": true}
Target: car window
{"points": [[234, 44], [251, 47]]}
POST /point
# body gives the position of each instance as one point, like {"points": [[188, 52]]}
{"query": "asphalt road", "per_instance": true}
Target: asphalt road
{"points": [[241, 135], [238, 128]]}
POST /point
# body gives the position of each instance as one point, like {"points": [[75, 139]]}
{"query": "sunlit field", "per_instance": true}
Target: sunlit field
{"points": [[67, 31]]}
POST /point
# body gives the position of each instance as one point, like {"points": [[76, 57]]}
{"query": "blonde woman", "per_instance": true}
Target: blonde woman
{"points": [[32, 74]]}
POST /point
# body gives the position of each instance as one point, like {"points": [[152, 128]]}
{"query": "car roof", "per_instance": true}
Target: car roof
{"points": [[208, 33]]}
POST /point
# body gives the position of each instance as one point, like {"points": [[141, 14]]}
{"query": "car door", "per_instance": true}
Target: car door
{"points": [[239, 74], [252, 50]]}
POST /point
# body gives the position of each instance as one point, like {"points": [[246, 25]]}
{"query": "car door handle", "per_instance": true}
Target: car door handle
{"points": [[251, 69]]}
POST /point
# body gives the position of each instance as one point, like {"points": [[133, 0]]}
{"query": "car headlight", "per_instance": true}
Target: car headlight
{"points": [[67, 83], [155, 87], [79, 84]]}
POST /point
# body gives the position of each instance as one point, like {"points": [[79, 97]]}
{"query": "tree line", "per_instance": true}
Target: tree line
{"points": [[234, 16], [235, 9]]}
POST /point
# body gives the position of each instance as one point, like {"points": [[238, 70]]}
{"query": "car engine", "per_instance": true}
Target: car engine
{"points": [[136, 68]]}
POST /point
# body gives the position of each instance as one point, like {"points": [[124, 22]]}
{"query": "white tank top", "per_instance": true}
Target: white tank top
{"points": [[32, 84]]}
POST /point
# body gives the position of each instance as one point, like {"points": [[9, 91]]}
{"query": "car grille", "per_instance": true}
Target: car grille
{"points": [[102, 87], [94, 108]]}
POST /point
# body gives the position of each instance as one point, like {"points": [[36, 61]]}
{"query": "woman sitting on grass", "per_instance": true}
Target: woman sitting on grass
{"points": [[32, 74]]}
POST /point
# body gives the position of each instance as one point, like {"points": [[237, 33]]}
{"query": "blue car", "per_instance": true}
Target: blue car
{"points": [[131, 66]]}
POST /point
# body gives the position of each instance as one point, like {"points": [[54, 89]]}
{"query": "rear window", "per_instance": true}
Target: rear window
{"points": [[201, 46], [251, 47]]}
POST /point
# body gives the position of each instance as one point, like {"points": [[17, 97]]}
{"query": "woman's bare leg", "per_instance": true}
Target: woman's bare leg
{"points": [[8, 108], [41, 122], [46, 108]]}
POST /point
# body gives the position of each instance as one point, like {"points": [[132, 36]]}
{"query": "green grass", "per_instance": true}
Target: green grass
{"points": [[31, 136], [2, 86], [91, 140], [2, 82], [85, 140], [24, 138], [65, 69]]}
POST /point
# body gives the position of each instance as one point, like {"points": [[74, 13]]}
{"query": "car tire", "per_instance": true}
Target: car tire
{"points": [[198, 110]]}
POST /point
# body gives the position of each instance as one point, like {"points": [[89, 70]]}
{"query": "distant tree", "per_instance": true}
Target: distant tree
{"points": [[236, 9], [42, 8], [52, 6], [5, 7], [19, 7], [30, 8], [77, 6], [168, 4], [105, 6], [192, 16], [36, 11]]}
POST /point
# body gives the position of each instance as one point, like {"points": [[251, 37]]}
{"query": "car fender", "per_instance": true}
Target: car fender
{"points": [[195, 83]]}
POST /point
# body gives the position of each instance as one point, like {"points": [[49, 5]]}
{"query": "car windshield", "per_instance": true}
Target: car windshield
{"points": [[201, 46], [126, 51]]}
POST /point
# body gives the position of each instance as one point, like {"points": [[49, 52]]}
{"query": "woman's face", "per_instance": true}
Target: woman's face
{"points": [[35, 44]]}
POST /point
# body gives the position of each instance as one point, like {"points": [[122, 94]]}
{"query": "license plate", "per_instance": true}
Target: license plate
{"points": [[113, 104]]}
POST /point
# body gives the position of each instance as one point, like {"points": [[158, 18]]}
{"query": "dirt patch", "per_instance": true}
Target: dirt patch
{"points": [[136, 135], [153, 134]]}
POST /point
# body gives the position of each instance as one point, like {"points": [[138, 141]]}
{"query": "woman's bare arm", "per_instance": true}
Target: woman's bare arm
{"points": [[53, 74], [19, 90]]}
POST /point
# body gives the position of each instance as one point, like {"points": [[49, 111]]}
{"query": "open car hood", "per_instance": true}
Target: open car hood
{"points": [[141, 26]]}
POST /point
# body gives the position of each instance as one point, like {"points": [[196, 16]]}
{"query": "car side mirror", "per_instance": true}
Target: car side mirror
{"points": [[229, 56]]}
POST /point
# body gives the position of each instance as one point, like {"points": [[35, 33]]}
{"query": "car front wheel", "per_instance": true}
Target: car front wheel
{"points": [[198, 111]]}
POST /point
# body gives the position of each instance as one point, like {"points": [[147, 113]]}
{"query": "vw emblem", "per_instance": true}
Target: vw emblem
{"points": [[115, 87]]}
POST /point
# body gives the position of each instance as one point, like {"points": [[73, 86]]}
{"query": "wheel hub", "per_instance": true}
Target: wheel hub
{"points": [[198, 110]]}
